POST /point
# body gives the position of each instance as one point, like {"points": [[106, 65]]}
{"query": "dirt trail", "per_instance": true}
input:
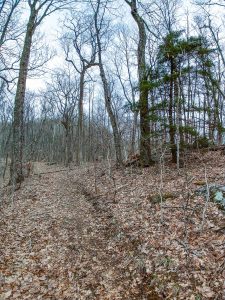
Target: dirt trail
{"points": [[58, 245]]}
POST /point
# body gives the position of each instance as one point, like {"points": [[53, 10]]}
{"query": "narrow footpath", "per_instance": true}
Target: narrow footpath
{"points": [[59, 243]]}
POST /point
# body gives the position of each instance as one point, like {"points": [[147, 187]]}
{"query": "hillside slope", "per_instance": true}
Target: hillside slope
{"points": [[95, 232]]}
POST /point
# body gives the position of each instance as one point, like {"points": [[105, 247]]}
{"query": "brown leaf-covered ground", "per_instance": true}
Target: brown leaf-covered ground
{"points": [[96, 232]]}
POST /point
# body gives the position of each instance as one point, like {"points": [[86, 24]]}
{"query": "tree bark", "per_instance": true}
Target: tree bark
{"points": [[107, 94], [172, 129], [80, 118], [112, 117], [69, 156], [134, 132], [145, 145], [18, 116]]}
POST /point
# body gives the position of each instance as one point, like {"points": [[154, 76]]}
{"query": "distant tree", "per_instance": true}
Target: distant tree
{"points": [[125, 65], [80, 47], [179, 56], [212, 63], [173, 51], [63, 95]]}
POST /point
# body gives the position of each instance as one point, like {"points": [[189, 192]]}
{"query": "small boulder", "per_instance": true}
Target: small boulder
{"points": [[216, 194]]}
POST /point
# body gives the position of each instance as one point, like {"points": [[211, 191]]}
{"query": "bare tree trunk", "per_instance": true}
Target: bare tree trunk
{"points": [[80, 118], [113, 121], [145, 145], [172, 130], [134, 132], [107, 93], [68, 146], [18, 122]]}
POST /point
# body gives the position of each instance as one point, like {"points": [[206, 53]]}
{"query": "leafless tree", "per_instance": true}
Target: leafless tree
{"points": [[80, 47], [125, 72], [62, 95], [100, 27]]}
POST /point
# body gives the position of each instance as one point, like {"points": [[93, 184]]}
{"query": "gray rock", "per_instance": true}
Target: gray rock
{"points": [[216, 194]]}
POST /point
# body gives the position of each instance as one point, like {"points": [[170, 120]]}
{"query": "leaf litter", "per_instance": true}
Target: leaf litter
{"points": [[93, 232]]}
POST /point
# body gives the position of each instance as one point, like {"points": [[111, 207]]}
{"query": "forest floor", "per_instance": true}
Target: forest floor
{"points": [[96, 232]]}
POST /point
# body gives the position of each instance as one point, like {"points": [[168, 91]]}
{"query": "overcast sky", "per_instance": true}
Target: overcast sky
{"points": [[51, 30]]}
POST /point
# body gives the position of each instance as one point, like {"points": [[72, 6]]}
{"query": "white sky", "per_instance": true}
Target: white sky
{"points": [[51, 29]]}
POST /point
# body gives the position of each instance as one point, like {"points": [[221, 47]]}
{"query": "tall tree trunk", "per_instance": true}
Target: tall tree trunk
{"points": [[112, 117], [145, 145], [134, 132], [172, 128], [69, 157], [107, 93], [18, 122], [80, 118]]}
